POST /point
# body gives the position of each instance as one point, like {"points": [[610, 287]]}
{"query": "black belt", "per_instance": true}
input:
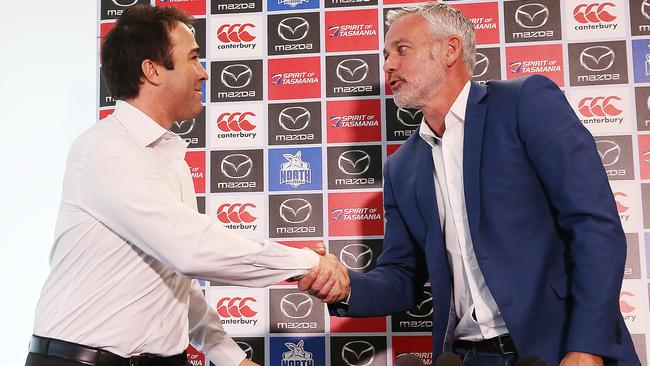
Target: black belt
{"points": [[95, 356], [501, 344]]}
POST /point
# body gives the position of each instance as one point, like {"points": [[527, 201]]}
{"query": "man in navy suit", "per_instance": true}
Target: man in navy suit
{"points": [[501, 201]]}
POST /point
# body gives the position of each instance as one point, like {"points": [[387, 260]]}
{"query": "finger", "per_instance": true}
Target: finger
{"points": [[320, 248], [308, 279], [334, 294], [324, 276], [325, 290]]}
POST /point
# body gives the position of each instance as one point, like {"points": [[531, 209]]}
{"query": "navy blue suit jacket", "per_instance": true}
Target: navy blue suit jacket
{"points": [[543, 221]]}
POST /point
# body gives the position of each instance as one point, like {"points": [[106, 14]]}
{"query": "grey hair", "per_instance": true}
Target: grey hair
{"points": [[444, 21]]}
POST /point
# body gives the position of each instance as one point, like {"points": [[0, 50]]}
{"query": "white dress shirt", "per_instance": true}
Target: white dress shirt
{"points": [[129, 239], [471, 294]]}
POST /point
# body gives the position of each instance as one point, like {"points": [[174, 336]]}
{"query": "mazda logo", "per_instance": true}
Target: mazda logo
{"points": [[296, 305], [409, 117], [295, 210], [182, 128], [124, 3], [481, 65], [531, 15], [294, 118], [236, 166], [354, 162], [248, 350], [356, 256], [293, 29], [358, 353], [645, 8], [424, 308], [597, 58], [352, 70], [236, 76], [609, 151]]}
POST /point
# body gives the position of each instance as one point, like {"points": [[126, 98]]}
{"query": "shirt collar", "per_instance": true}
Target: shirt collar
{"points": [[457, 109], [137, 124]]}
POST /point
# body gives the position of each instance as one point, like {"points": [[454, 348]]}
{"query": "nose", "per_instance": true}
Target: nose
{"points": [[390, 64], [203, 75]]}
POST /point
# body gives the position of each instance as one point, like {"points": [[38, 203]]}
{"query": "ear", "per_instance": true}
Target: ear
{"points": [[453, 50], [151, 72]]}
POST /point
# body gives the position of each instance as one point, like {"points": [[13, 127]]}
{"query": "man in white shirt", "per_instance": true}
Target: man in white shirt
{"points": [[129, 239], [501, 202]]}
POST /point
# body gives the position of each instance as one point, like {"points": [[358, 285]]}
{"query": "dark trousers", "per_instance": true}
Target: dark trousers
{"points": [[40, 360], [472, 357]]}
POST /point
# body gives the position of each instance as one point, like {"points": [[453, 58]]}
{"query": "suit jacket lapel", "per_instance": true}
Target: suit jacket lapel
{"points": [[425, 189], [472, 147]]}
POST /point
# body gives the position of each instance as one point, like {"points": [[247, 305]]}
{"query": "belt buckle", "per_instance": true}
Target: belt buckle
{"points": [[502, 346]]}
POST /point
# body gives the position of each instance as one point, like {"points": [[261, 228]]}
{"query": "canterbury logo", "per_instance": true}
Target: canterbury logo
{"points": [[599, 106], [235, 307], [625, 306], [593, 13], [235, 213], [620, 207], [235, 121], [235, 33]]}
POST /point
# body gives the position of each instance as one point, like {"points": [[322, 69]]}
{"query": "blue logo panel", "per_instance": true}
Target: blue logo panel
{"points": [[295, 169], [292, 4], [297, 351], [641, 57]]}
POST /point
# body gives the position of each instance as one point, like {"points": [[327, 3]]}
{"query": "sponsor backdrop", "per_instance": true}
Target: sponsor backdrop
{"points": [[298, 122]]}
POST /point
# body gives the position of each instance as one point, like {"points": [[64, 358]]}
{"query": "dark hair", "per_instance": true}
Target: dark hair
{"points": [[142, 32]]}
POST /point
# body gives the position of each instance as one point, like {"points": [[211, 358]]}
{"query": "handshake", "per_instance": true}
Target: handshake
{"points": [[329, 281]]}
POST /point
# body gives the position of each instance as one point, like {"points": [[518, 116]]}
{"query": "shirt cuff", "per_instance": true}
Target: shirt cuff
{"points": [[226, 353]]}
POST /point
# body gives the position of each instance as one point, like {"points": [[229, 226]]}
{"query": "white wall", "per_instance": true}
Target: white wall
{"points": [[48, 52]]}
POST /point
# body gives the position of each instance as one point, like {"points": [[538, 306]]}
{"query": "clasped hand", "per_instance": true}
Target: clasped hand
{"points": [[329, 280]]}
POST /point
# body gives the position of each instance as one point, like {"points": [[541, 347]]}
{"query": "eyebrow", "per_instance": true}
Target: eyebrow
{"points": [[195, 50], [394, 43]]}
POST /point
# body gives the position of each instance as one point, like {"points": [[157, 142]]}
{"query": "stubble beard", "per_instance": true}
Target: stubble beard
{"points": [[418, 90]]}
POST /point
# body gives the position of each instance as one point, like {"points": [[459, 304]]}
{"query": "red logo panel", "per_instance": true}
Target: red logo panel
{"points": [[390, 149], [353, 121], [351, 30], [194, 357], [644, 156], [355, 214], [103, 113], [417, 345], [529, 60], [104, 28], [192, 7], [485, 17], [357, 325], [196, 162], [294, 78]]}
